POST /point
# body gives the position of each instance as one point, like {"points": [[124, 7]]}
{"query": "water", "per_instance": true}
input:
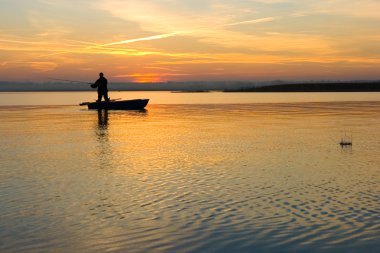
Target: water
{"points": [[267, 177], [164, 97]]}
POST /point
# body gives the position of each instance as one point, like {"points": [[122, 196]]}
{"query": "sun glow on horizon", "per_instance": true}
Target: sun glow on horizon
{"points": [[146, 79], [187, 40]]}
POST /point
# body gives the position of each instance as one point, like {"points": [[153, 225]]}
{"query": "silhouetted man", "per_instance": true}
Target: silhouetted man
{"points": [[101, 84]]}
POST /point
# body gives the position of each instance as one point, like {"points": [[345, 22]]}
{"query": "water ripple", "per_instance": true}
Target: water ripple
{"points": [[181, 178]]}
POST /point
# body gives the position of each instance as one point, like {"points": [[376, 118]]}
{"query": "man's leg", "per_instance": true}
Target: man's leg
{"points": [[106, 98], [99, 96]]}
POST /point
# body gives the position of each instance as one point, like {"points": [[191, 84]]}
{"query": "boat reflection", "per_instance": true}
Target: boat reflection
{"points": [[106, 131], [104, 116], [102, 119], [103, 149]]}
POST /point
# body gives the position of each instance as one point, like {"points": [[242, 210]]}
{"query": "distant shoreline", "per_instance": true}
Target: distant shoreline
{"points": [[203, 87], [314, 87], [254, 90], [94, 90]]}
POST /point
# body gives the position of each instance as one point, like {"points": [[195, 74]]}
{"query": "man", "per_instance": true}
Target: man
{"points": [[101, 84]]}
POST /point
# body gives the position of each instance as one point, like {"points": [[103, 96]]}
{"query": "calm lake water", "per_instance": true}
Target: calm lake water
{"points": [[208, 172]]}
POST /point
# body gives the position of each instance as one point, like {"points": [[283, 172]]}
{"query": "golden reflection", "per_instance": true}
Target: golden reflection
{"points": [[113, 127], [346, 149], [103, 119], [272, 170], [104, 148], [103, 122]]}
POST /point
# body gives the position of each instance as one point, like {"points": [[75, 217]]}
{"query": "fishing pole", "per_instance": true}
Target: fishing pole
{"points": [[66, 80]]}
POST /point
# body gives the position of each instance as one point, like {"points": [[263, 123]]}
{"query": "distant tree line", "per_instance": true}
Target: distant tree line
{"points": [[315, 87]]}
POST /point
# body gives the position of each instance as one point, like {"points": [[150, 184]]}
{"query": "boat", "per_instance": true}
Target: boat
{"points": [[346, 141], [134, 104]]}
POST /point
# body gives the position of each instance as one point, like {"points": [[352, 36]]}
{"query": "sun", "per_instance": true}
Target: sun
{"points": [[147, 78]]}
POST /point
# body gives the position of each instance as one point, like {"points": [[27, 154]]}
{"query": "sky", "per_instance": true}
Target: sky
{"points": [[189, 40]]}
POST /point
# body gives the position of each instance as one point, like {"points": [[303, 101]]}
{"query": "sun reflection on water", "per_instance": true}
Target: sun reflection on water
{"points": [[191, 178]]}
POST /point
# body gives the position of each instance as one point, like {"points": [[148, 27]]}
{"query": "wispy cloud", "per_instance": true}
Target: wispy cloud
{"points": [[25, 42], [161, 68], [36, 65], [114, 34], [254, 21], [155, 37]]}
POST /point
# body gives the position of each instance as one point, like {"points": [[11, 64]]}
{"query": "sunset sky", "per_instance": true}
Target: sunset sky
{"points": [[180, 40]]}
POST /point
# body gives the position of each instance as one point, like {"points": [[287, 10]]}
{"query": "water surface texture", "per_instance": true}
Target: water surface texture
{"points": [[165, 97], [191, 178]]}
